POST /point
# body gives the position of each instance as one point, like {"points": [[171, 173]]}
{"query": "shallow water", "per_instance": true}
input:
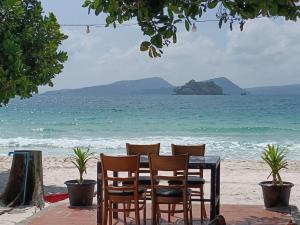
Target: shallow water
{"points": [[235, 127]]}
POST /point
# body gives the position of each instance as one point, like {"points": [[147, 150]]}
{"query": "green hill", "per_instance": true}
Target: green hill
{"points": [[229, 88], [199, 88]]}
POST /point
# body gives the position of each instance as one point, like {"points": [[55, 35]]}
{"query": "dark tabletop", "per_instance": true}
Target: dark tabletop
{"points": [[195, 162]]}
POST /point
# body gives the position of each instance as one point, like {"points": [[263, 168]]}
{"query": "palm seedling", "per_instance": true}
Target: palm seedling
{"points": [[275, 158], [80, 159]]}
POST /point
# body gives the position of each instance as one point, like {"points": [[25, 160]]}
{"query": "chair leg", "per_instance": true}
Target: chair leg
{"points": [[203, 211], [137, 214], [185, 213], [145, 210], [129, 207], [191, 213], [173, 209], [105, 213], [154, 213], [125, 212], [110, 212], [157, 214], [169, 213]]}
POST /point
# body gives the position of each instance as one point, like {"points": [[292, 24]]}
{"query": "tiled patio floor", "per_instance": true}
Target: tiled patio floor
{"points": [[61, 214]]}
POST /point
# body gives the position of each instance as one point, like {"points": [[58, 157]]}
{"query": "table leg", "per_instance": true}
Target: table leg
{"points": [[213, 194], [153, 212], [218, 189], [115, 205], [99, 195]]}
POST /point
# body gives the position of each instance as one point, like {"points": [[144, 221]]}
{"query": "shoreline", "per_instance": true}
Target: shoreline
{"points": [[239, 180]]}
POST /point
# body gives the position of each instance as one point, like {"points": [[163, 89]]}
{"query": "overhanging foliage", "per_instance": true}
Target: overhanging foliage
{"points": [[29, 43], [158, 19]]}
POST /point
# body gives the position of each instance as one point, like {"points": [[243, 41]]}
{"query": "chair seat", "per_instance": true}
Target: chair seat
{"points": [[192, 180], [144, 180], [171, 192], [126, 193]]}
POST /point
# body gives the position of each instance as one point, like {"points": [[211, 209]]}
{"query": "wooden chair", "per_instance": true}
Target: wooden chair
{"points": [[144, 180], [168, 194], [195, 178], [114, 193]]}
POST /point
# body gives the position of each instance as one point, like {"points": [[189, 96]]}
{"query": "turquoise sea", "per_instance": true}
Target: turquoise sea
{"points": [[235, 127]]}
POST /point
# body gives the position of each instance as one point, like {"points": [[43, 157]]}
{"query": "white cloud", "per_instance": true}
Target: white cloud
{"points": [[265, 53]]}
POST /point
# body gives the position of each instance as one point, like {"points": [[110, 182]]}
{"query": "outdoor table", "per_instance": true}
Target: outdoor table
{"points": [[211, 163]]}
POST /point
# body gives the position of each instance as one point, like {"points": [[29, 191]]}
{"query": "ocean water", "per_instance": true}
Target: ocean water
{"points": [[234, 127]]}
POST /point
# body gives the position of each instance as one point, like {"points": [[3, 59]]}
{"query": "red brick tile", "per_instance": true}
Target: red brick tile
{"points": [[235, 215]]}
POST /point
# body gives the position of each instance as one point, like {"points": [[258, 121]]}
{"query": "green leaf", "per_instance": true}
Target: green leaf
{"points": [[86, 3], [200, 12], [98, 7], [145, 45], [174, 38], [157, 40], [150, 53], [174, 8], [149, 31], [220, 23], [187, 25], [168, 34], [274, 9], [110, 19], [156, 54], [212, 4], [282, 2], [170, 13]]}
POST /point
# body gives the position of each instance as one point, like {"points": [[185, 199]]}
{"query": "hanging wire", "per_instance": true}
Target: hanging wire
{"points": [[126, 24], [103, 25]]}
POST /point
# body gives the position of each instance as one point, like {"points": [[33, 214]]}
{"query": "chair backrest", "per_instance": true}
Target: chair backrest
{"points": [[161, 165], [192, 150], [133, 149], [127, 164]]}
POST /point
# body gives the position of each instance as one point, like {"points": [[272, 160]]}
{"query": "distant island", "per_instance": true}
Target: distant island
{"points": [[159, 86], [199, 88], [293, 89], [146, 86], [229, 88]]}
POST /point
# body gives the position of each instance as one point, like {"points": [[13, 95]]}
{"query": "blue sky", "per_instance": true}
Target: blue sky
{"points": [[265, 53]]}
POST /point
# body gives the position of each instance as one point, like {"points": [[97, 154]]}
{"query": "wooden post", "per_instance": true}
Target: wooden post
{"points": [[25, 183], [99, 194]]}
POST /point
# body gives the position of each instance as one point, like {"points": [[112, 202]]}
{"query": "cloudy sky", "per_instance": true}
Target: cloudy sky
{"points": [[265, 53]]}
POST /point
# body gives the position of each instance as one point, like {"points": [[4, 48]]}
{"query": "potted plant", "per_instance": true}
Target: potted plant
{"points": [[81, 191], [276, 192]]}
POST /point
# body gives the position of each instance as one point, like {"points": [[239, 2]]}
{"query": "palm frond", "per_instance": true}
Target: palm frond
{"points": [[275, 158], [80, 159]]}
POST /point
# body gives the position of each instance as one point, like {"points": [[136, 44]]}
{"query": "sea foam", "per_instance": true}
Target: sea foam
{"points": [[225, 147]]}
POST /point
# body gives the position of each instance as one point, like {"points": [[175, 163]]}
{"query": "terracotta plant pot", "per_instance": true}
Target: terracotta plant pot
{"points": [[276, 195], [81, 194]]}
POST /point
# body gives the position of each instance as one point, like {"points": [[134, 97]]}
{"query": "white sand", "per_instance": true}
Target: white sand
{"points": [[239, 181]]}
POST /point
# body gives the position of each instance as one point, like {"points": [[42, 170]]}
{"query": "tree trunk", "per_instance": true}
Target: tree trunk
{"points": [[25, 183]]}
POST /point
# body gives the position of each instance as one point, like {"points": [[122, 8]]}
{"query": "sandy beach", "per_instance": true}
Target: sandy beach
{"points": [[239, 181]]}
